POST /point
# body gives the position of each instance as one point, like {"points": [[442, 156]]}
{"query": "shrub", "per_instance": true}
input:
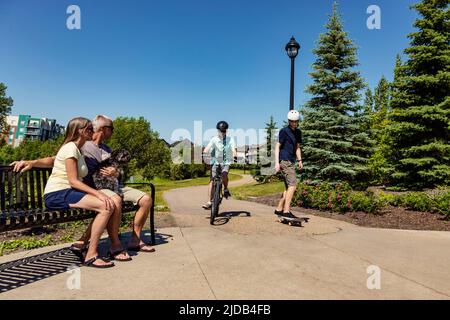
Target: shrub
{"points": [[364, 201], [418, 201], [441, 203]]}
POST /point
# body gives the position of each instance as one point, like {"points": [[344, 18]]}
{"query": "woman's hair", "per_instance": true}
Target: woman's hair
{"points": [[72, 133]]}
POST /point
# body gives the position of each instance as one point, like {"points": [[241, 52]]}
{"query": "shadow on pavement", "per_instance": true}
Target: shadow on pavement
{"points": [[18, 273], [225, 217]]}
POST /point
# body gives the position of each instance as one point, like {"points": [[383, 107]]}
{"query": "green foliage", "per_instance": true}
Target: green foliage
{"points": [[417, 201], [419, 130], [187, 171], [335, 197], [26, 243], [28, 150], [150, 154], [5, 107], [336, 145], [270, 127]]}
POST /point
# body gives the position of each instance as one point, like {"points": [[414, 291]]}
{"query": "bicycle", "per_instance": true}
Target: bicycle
{"points": [[217, 194]]}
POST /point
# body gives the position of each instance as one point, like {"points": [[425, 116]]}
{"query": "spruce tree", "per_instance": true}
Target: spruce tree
{"points": [[419, 134], [335, 146], [270, 127]]}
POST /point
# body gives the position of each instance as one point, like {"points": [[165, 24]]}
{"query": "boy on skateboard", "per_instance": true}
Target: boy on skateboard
{"points": [[287, 151]]}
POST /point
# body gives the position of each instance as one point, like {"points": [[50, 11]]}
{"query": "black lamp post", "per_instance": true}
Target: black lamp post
{"points": [[292, 49]]}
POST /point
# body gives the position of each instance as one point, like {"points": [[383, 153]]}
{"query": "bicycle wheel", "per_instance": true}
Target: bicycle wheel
{"points": [[216, 201]]}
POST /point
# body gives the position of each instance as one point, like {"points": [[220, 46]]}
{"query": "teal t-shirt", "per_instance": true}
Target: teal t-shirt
{"points": [[222, 150]]}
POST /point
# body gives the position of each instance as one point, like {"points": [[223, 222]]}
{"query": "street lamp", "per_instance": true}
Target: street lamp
{"points": [[292, 49]]}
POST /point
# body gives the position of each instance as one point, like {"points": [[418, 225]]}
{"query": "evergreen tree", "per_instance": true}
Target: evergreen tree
{"points": [[335, 148], [419, 134], [5, 108], [270, 127], [378, 161], [369, 102]]}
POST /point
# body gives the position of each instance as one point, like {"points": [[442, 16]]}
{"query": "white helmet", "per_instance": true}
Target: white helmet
{"points": [[293, 115]]}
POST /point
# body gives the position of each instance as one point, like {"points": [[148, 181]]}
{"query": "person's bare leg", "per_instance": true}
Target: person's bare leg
{"points": [[99, 223], [140, 218], [281, 202], [113, 229], [289, 195], [225, 180], [210, 186]]}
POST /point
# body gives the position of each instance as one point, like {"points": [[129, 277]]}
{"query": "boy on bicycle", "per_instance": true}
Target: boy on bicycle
{"points": [[223, 152]]}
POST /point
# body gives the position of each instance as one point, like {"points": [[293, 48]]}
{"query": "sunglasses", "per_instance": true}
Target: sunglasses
{"points": [[110, 127]]}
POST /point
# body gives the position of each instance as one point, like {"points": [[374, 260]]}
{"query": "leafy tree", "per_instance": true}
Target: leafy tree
{"points": [[5, 107], [420, 129], [151, 156], [336, 147]]}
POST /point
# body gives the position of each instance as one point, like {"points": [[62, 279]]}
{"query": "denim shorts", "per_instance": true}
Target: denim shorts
{"points": [[62, 199]]}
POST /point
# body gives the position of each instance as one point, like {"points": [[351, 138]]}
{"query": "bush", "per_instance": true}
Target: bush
{"points": [[335, 197], [441, 203], [187, 171], [364, 201], [418, 201]]}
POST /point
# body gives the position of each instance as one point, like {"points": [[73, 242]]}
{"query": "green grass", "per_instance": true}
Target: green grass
{"points": [[256, 190], [163, 185]]}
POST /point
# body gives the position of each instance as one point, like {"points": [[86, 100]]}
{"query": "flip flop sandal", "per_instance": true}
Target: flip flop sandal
{"points": [[113, 255], [90, 263], [140, 248], [79, 251]]}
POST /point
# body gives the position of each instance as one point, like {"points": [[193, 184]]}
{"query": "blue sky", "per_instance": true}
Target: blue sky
{"points": [[175, 62]]}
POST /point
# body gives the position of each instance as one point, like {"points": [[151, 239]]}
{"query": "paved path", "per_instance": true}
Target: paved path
{"points": [[255, 257]]}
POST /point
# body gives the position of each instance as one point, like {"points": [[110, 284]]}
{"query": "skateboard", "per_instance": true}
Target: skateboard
{"points": [[293, 221]]}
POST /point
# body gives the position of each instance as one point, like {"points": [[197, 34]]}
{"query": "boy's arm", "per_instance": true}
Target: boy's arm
{"points": [[298, 154]]}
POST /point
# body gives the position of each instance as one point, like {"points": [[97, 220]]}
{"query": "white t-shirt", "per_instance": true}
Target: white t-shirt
{"points": [[58, 180], [220, 152]]}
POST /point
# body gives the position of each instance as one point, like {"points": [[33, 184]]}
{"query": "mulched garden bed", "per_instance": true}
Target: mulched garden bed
{"points": [[388, 218]]}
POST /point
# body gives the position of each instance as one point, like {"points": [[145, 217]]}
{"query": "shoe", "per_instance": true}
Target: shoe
{"points": [[80, 252], [207, 206], [90, 263], [226, 193], [113, 255], [278, 213], [289, 215]]}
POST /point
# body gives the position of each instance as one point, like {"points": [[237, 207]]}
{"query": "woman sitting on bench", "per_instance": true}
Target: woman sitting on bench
{"points": [[65, 189]]}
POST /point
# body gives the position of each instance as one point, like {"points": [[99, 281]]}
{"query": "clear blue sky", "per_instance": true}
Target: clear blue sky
{"points": [[174, 62]]}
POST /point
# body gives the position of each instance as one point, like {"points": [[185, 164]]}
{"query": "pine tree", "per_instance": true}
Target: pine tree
{"points": [[270, 127], [378, 161], [335, 148], [419, 134], [369, 102]]}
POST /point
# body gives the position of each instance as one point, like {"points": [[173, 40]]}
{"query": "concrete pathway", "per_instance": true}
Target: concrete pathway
{"points": [[249, 255]]}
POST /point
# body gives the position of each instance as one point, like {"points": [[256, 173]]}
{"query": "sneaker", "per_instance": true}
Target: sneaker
{"points": [[226, 193], [278, 213], [207, 206], [289, 215]]}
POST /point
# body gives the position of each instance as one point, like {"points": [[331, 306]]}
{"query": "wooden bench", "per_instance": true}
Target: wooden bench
{"points": [[22, 202]]}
